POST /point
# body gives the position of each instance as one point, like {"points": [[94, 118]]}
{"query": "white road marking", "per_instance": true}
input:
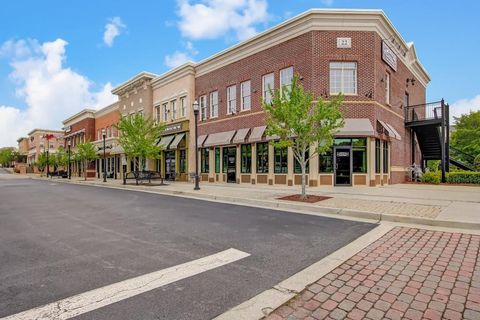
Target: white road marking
{"points": [[97, 298]]}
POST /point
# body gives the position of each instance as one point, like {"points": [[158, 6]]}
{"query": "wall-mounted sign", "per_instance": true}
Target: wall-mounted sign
{"points": [[389, 56], [173, 127], [344, 42]]}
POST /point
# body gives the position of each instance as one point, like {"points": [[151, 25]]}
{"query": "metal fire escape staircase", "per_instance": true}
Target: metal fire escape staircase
{"points": [[430, 124]]}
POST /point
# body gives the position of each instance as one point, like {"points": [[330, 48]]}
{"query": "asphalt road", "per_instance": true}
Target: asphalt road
{"points": [[58, 240]]}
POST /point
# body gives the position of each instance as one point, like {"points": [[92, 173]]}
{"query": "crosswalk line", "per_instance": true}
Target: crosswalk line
{"points": [[97, 298]]}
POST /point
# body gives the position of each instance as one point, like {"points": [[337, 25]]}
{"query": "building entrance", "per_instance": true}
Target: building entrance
{"points": [[231, 162], [170, 165], [343, 166]]}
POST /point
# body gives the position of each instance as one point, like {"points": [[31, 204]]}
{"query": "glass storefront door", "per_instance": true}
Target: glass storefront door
{"points": [[231, 161], [343, 166], [170, 165]]}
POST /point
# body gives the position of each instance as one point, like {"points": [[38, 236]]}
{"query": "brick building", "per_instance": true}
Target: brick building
{"points": [[79, 129], [105, 121], [38, 144], [355, 52]]}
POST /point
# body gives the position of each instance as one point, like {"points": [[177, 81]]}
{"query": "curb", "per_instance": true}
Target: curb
{"points": [[287, 206]]}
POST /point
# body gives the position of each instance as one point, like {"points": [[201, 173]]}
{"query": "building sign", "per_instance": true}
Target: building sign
{"points": [[68, 129], [344, 42], [173, 127], [389, 56]]}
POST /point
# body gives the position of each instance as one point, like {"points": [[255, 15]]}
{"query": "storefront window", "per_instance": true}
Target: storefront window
{"points": [[385, 156], [281, 160], [246, 161], [183, 161], [225, 159], [377, 155], [204, 160], [342, 142], [326, 162], [297, 168], [217, 160], [262, 157], [359, 160]]}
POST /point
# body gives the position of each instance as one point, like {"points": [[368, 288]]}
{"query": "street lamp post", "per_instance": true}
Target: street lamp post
{"points": [[69, 166], [104, 135], [195, 112]]}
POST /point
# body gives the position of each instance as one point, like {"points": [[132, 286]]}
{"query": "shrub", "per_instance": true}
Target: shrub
{"points": [[431, 177], [476, 163], [464, 177]]}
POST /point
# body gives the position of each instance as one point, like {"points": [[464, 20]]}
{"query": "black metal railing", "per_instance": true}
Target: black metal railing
{"points": [[425, 111]]}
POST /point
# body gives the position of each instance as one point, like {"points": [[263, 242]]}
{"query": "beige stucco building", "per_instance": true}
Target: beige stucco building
{"points": [[38, 143]]}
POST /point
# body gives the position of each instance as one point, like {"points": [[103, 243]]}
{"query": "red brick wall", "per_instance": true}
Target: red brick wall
{"points": [[310, 55], [107, 120], [88, 124]]}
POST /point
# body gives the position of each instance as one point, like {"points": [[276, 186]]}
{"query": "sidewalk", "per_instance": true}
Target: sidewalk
{"points": [[445, 206]]}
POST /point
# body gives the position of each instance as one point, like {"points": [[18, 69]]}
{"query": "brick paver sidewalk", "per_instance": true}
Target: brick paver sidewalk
{"points": [[406, 274]]}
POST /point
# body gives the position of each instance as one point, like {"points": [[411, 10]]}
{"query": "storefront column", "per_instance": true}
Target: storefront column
{"points": [[313, 164], [254, 163], [238, 157], [271, 163], [371, 161], [290, 162], [211, 164]]}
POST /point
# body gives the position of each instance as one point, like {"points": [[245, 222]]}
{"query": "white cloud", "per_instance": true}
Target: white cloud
{"points": [[178, 57], [113, 29], [464, 106], [210, 19], [52, 92]]}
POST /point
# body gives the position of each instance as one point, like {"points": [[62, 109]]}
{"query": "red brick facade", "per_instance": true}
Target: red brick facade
{"points": [[310, 55]]}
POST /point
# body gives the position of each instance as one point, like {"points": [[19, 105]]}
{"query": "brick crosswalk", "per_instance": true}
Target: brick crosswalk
{"points": [[406, 274]]}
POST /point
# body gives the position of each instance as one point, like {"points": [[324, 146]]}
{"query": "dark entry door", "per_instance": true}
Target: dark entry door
{"points": [[343, 166], [170, 165], [232, 165]]}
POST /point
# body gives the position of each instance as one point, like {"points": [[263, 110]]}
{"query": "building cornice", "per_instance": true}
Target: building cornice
{"points": [[106, 110], [186, 69], [320, 20], [84, 114], [44, 131], [140, 80]]}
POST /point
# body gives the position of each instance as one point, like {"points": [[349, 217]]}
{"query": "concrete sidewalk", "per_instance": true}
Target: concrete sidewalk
{"points": [[444, 206]]}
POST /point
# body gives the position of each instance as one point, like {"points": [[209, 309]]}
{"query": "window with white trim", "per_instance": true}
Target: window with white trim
{"points": [[173, 108], [165, 112], [268, 85], [246, 96], [214, 104], [232, 99], [343, 77], [183, 106], [203, 108], [157, 114], [286, 76], [387, 88]]}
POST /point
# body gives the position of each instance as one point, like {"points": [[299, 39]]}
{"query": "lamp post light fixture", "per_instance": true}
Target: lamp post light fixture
{"points": [[69, 166], [104, 135], [195, 112]]}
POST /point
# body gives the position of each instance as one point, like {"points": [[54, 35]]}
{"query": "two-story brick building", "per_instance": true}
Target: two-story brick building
{"points": [[38, 143], [357, 53]]}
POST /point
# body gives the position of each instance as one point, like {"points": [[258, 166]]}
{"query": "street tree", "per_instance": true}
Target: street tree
{"points": [[7, 155], [41, 162], [139, 137], [466, 135], [302, 124], [86, 153], [60, 158]]}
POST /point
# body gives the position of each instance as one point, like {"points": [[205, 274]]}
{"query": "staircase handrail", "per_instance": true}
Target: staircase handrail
{"points": [[424, 111], [469, 156]]}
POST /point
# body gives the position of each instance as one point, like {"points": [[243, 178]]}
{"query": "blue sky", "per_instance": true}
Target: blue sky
{"points": [[36, 61]]}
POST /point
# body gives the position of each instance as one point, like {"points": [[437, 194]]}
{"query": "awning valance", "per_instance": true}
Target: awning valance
{"points": [[241, 135], [391, 130], [356, 127], [257, 134], [219, 139], [201, 140], [177, 140], [165, 141]]}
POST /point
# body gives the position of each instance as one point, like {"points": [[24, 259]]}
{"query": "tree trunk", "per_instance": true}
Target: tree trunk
{"points": [[85, 170], [304, 192]]}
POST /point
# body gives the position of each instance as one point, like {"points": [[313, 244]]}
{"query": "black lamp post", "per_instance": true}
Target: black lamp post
{"points": [[69, 166], [195, 112], [104, 135]]}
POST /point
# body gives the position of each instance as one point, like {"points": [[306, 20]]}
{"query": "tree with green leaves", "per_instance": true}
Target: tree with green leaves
{"points": [[466, 136], [7, 155], [60, 158], [86, 153], [41, 162], [302, 124], [139, 137]]}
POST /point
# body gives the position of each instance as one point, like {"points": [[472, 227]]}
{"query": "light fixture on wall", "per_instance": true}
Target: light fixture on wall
{"points": [[410, 80]]}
